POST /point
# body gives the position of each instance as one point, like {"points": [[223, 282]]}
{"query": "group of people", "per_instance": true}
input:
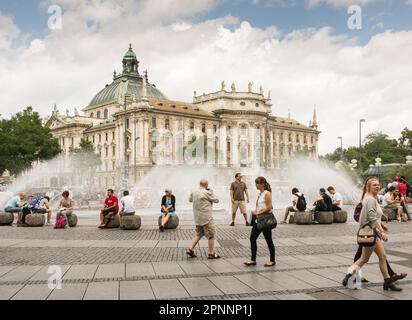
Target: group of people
{"points": [[327, 201], [394, 198], [24, 205]]}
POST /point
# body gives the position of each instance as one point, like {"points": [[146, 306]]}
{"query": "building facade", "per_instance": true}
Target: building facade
{"points": [[133, 126]]}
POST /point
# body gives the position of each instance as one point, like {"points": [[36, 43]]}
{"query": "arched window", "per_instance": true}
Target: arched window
{"points": [[167, 124], [92, 115], [106, 114], [98, 114]]}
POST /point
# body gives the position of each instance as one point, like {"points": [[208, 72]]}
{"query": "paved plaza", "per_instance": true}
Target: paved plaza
{"points": [[113, 264]]}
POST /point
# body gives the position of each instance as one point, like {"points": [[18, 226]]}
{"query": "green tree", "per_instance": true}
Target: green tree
{"points": [[25, 140], [84, 162], [405, 141]]}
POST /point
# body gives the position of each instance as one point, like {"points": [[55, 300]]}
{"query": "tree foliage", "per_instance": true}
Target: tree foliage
{"points": [[377, 145], [25, 140]]}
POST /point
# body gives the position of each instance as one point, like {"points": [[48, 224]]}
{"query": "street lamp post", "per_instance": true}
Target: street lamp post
{"points": [[341, 147], [360, 132], [125, 163]]}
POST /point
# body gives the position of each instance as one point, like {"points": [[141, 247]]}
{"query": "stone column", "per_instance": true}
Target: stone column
{"points": [[222, 146], [271, 158], [252, 153], [234, 147]]}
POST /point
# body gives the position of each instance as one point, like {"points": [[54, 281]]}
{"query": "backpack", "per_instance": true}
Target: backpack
{"points": [[301, 204], [60, 222], [34, 203], [357, 212]]}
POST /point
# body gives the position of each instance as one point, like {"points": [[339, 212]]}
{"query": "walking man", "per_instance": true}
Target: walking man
{"points": [[238, 190], [203, 200]]}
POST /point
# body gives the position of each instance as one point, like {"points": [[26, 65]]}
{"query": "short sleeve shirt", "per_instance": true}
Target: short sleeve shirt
{"points": [[110, 201], [238, 189], [337, 197]]}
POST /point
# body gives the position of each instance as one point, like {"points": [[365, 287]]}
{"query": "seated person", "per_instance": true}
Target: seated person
{"points": [[390, 203], [14, 205], [337, 199], [127, 202], [110, 209], [323, 203], [295, 197], [400, 201], [36, 204], [65, 207], [168, 208]]}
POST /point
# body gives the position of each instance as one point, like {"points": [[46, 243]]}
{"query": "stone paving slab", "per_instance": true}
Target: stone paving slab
{"points": [[297, 263], [147, 243], [221, 265], [136, 290], [168, 289], [313, 279], [365, 294], [43, 275], [5, 269], [316, 260], [69, 291], [139, 270], [85, 271], [21, 273], [259, 283], [331, 295], [295, 296], [33, 292], [230, 285], [167, 269], [194, 267], [268, 297], [198, 287], [102, 291], [110, 271], [8, 291], [283, 279], [167, 244]]}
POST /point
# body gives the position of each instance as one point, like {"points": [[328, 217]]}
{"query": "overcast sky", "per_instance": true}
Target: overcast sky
{"points": [[302, 51]]}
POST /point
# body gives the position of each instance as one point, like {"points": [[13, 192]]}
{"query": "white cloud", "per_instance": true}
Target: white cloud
{"points": [[8, 31], [303, 68]]}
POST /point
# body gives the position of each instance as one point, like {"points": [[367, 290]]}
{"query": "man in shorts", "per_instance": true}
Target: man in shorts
{"points": [[203, 200], [238, 190], [127, 202], [110, 209]]}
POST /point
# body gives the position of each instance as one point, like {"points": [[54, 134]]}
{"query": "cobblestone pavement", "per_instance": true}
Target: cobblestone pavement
{"points": [[147, 264]]}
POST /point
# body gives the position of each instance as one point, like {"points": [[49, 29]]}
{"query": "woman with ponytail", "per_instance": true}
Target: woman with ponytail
{"points": [[371, 214], [263, 205]]}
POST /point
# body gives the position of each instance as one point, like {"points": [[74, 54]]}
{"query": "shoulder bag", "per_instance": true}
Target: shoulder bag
{"points": [[367, 235]]}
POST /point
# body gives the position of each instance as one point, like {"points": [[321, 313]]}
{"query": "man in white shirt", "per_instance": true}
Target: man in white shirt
{"points": [[127, 203], [337, 200]]}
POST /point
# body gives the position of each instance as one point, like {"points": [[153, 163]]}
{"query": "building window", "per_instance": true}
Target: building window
{"points": [[72, 142], [179, 125], [113, 135], [114, 151], [92, 138], [106, 114], [127, 123], [305, 139], [214, 128], [257, 105], [92, 115], [192, 125], [243, 131], [167, 124], [203, 128], [297, 139], [154, 144], [154, 123], [290, 137], [114, 164], [98, 114], [100, 137], [107, 136], [242, 103], [107, 151], [107, 165], [281, 136], [311, 139], [63, 142]]}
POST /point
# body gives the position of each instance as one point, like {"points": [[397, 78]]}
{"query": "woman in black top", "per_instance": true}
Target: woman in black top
{"points": [[168, 208]]}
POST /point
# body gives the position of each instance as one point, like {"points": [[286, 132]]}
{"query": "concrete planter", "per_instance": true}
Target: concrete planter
{"points": [[72, 219], [6, 218], [340, 216], [115, 222], [303, 217], [35, 220], [130, 222], [173, 222], [324, 217], [391, 214]]}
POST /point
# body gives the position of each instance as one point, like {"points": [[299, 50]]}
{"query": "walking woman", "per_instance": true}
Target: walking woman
{"points": [[263, 205], [371, 213]]}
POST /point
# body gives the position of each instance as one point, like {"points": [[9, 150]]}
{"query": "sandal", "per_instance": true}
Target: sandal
{"points": [[400, 276], [249, 263], [191, 253], [270, 264], [213, 256]]}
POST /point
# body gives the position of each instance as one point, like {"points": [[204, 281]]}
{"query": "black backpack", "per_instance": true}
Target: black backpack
{"points": [[301, 204]]}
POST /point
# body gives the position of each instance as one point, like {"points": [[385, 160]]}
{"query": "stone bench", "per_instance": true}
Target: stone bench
{"points": [[35, 220], [340, 216], [72, 220], [130, 222], [324, 217], [172, 223], [302, 217], [6, 218], [113, 223], [391, 214]]}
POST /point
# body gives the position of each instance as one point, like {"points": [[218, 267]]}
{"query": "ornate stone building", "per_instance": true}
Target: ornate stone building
{"points": [[134, 126]]}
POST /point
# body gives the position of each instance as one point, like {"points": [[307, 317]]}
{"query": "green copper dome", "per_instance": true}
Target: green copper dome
{"points": [[115, 91]]}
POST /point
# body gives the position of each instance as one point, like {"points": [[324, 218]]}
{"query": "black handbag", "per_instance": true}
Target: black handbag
{"points": [[266, 221]]}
